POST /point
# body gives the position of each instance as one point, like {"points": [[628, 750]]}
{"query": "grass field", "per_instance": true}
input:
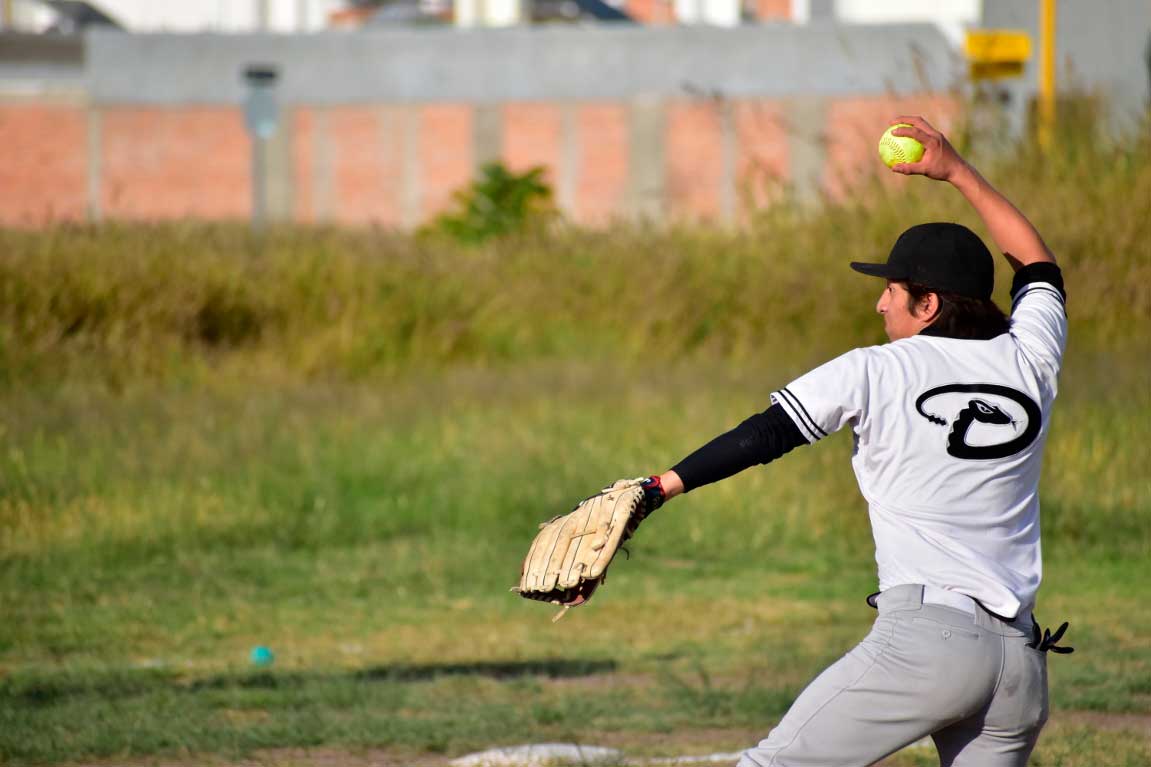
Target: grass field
{"points": [[339, 444]]}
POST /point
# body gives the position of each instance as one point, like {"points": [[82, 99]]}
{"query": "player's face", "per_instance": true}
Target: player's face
{"points": [[898, 321]]}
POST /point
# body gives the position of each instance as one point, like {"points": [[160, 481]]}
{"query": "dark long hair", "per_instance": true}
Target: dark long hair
{"points": [[961, 316]]}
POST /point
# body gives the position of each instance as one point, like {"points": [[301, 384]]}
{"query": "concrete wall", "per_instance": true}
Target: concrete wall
{"points": [[526, 64], [382, 127], [1100, 47]]}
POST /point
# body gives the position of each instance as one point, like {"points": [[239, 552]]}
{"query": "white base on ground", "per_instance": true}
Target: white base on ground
{"points": [[563, 754], [571, 754], [540, 755]]}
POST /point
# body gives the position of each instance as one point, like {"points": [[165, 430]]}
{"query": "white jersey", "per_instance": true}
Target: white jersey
{"points": [[949, 437]]}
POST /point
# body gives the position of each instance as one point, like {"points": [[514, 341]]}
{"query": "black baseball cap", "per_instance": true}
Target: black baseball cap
{"points": [[948, 258]]}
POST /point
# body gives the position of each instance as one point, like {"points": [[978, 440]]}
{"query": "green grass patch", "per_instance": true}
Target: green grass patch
{"points": [[369, 537]]}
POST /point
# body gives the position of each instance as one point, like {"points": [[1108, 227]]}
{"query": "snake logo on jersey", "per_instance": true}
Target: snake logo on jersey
{"points": [[987, 422]]}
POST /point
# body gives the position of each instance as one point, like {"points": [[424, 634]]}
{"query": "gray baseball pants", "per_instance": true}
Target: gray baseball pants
{"points": [[924, 669]]}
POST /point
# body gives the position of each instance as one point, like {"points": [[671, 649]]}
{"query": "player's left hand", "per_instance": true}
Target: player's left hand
{"points": [[940, 160]]}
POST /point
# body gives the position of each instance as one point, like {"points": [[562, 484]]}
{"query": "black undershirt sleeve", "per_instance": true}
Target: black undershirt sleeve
{"points": [[760, 439]]}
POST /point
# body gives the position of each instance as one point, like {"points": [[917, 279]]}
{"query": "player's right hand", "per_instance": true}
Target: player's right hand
{"points": [[940, 160]]}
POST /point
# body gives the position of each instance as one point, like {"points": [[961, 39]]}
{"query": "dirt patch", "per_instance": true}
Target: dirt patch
{"points": [[1097, 720], [683, 743], [637, 745], [325, 756], [334, 757]]}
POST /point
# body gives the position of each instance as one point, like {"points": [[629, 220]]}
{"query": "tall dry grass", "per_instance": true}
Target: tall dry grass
{"points": [[118, 302]]}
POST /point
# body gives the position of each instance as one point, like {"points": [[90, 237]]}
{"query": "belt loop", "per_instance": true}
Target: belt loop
{"points": [[905, 595]]}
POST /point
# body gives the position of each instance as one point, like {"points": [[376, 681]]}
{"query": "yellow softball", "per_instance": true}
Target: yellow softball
{"points": [[893, 149]]}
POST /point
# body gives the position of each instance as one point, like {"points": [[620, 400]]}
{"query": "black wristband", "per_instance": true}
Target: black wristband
{"points": [[1040, 271]]}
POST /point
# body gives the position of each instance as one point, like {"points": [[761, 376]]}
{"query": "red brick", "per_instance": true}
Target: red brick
{"points": [[43, 163], [303, 126], [602, 170], [762, 164], [772, 10], [532, 136], [445, 153], [694, 143], [367, 172], [653, 12], [163, 163]]}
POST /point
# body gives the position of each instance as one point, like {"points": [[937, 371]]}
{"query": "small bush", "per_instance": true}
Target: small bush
{"points": [[498, 203]]}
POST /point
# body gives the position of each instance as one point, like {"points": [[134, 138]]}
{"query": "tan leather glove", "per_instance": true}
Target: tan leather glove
{"points": [[569, 557]]}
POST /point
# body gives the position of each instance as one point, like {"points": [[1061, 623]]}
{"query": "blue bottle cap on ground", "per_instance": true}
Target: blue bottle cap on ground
{"points": [[262, 656]]}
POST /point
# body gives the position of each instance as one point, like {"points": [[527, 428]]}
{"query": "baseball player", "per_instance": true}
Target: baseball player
{"points": [[949, 421]]}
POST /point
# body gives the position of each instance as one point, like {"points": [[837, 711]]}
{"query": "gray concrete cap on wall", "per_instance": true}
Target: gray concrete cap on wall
{"points": [[526, 64]]}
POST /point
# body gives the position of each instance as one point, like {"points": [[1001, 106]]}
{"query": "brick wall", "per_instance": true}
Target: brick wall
{"points": [[43, 163], [601, 174], [763, 166], [445, 152], [533, 135], [695, 159], [398, 165], [366, 157], [771, 10], [160, 163], [652, 12], [303, 131]]}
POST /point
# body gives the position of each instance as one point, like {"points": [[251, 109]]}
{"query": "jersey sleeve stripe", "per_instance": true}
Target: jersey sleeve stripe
{"points": [[799, 409], [1038, 286], [1034, 288], [805, 431]]}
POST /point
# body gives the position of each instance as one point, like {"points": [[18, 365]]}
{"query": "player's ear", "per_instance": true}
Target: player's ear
{"points": [[929, 306]]}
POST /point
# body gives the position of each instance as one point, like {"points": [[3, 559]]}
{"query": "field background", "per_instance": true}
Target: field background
{"points": [[338, 444]]}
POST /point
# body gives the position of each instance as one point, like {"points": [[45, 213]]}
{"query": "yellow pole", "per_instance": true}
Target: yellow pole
{"points": [[6, 14], [1046, 72]]}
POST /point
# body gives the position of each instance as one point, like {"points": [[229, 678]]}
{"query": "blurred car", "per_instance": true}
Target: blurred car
{"points": [[433, 12]]}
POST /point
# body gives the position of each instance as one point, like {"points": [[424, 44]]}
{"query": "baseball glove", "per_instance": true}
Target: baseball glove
{"points": [[569, 557]]}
